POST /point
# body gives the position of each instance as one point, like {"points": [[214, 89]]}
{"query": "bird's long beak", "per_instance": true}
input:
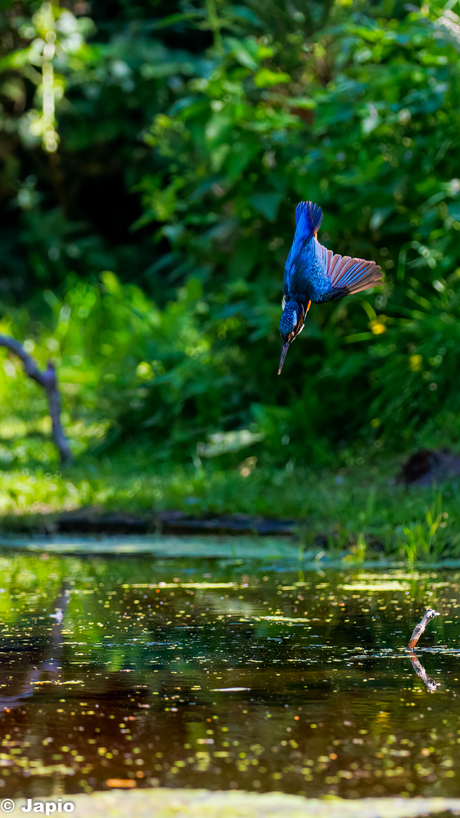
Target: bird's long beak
{"points": [[283, 355]]}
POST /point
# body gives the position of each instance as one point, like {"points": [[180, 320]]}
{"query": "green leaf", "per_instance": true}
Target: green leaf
{"points": [[173, 19], [454, 210], [379, 216], [265, 203], [241, 154], [266, 78], [242, 54]]}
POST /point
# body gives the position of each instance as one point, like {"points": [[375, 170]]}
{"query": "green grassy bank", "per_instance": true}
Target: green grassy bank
{"points": [[359, 507]]}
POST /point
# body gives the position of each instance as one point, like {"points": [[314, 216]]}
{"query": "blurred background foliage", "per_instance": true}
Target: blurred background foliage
{"points": [[152, 155]]}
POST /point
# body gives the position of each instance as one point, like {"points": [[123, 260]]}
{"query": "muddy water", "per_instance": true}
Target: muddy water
{"points": [[142, 672]]}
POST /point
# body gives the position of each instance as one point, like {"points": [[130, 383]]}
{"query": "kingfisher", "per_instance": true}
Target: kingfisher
{"points": [[314, 274]]}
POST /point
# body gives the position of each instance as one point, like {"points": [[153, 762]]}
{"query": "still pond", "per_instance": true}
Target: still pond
{"points": [[140, 672]]}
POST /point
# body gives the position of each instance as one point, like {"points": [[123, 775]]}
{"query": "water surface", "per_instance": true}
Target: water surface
{"points": [[141, 672]]}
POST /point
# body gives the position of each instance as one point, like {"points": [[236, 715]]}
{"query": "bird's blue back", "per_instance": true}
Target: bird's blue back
{"points": [[305, 272]]}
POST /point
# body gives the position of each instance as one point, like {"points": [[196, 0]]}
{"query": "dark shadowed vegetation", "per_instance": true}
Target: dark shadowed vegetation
{"points": [[152, 155]]}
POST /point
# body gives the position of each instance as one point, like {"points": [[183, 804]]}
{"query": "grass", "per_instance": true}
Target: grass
{"points": [[356, 507]]}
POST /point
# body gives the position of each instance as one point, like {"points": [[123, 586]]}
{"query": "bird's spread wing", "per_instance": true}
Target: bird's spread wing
{"points": [[346, 275]]}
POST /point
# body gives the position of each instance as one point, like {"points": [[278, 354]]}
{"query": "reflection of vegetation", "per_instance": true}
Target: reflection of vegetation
{"points": [[180, 673]]}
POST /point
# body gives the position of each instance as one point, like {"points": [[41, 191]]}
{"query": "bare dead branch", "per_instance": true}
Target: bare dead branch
{"points": [[48, 380], [419, 629]]}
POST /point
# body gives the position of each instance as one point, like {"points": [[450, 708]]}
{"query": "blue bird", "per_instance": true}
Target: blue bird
{"points": [[314, 274]]}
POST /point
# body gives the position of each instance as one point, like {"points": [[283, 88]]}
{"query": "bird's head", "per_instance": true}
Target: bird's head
{"points": [[291, 323]]}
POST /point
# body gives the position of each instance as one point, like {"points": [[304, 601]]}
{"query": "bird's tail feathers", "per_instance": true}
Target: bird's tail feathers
{"points": [[308, 218]]}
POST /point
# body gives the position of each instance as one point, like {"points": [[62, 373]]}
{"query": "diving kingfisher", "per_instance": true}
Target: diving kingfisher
{"points": [[314, 274]]}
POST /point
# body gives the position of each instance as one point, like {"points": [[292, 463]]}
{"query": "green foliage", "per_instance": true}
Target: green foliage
{"points": [[362, 514], [115, 352], [420, 345], [427, 539], [75, 95], [201, 125], [367, 125]]}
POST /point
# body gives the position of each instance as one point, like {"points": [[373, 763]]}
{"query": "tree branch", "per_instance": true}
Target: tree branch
{"points": [[48, 380], [419, 629]]}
